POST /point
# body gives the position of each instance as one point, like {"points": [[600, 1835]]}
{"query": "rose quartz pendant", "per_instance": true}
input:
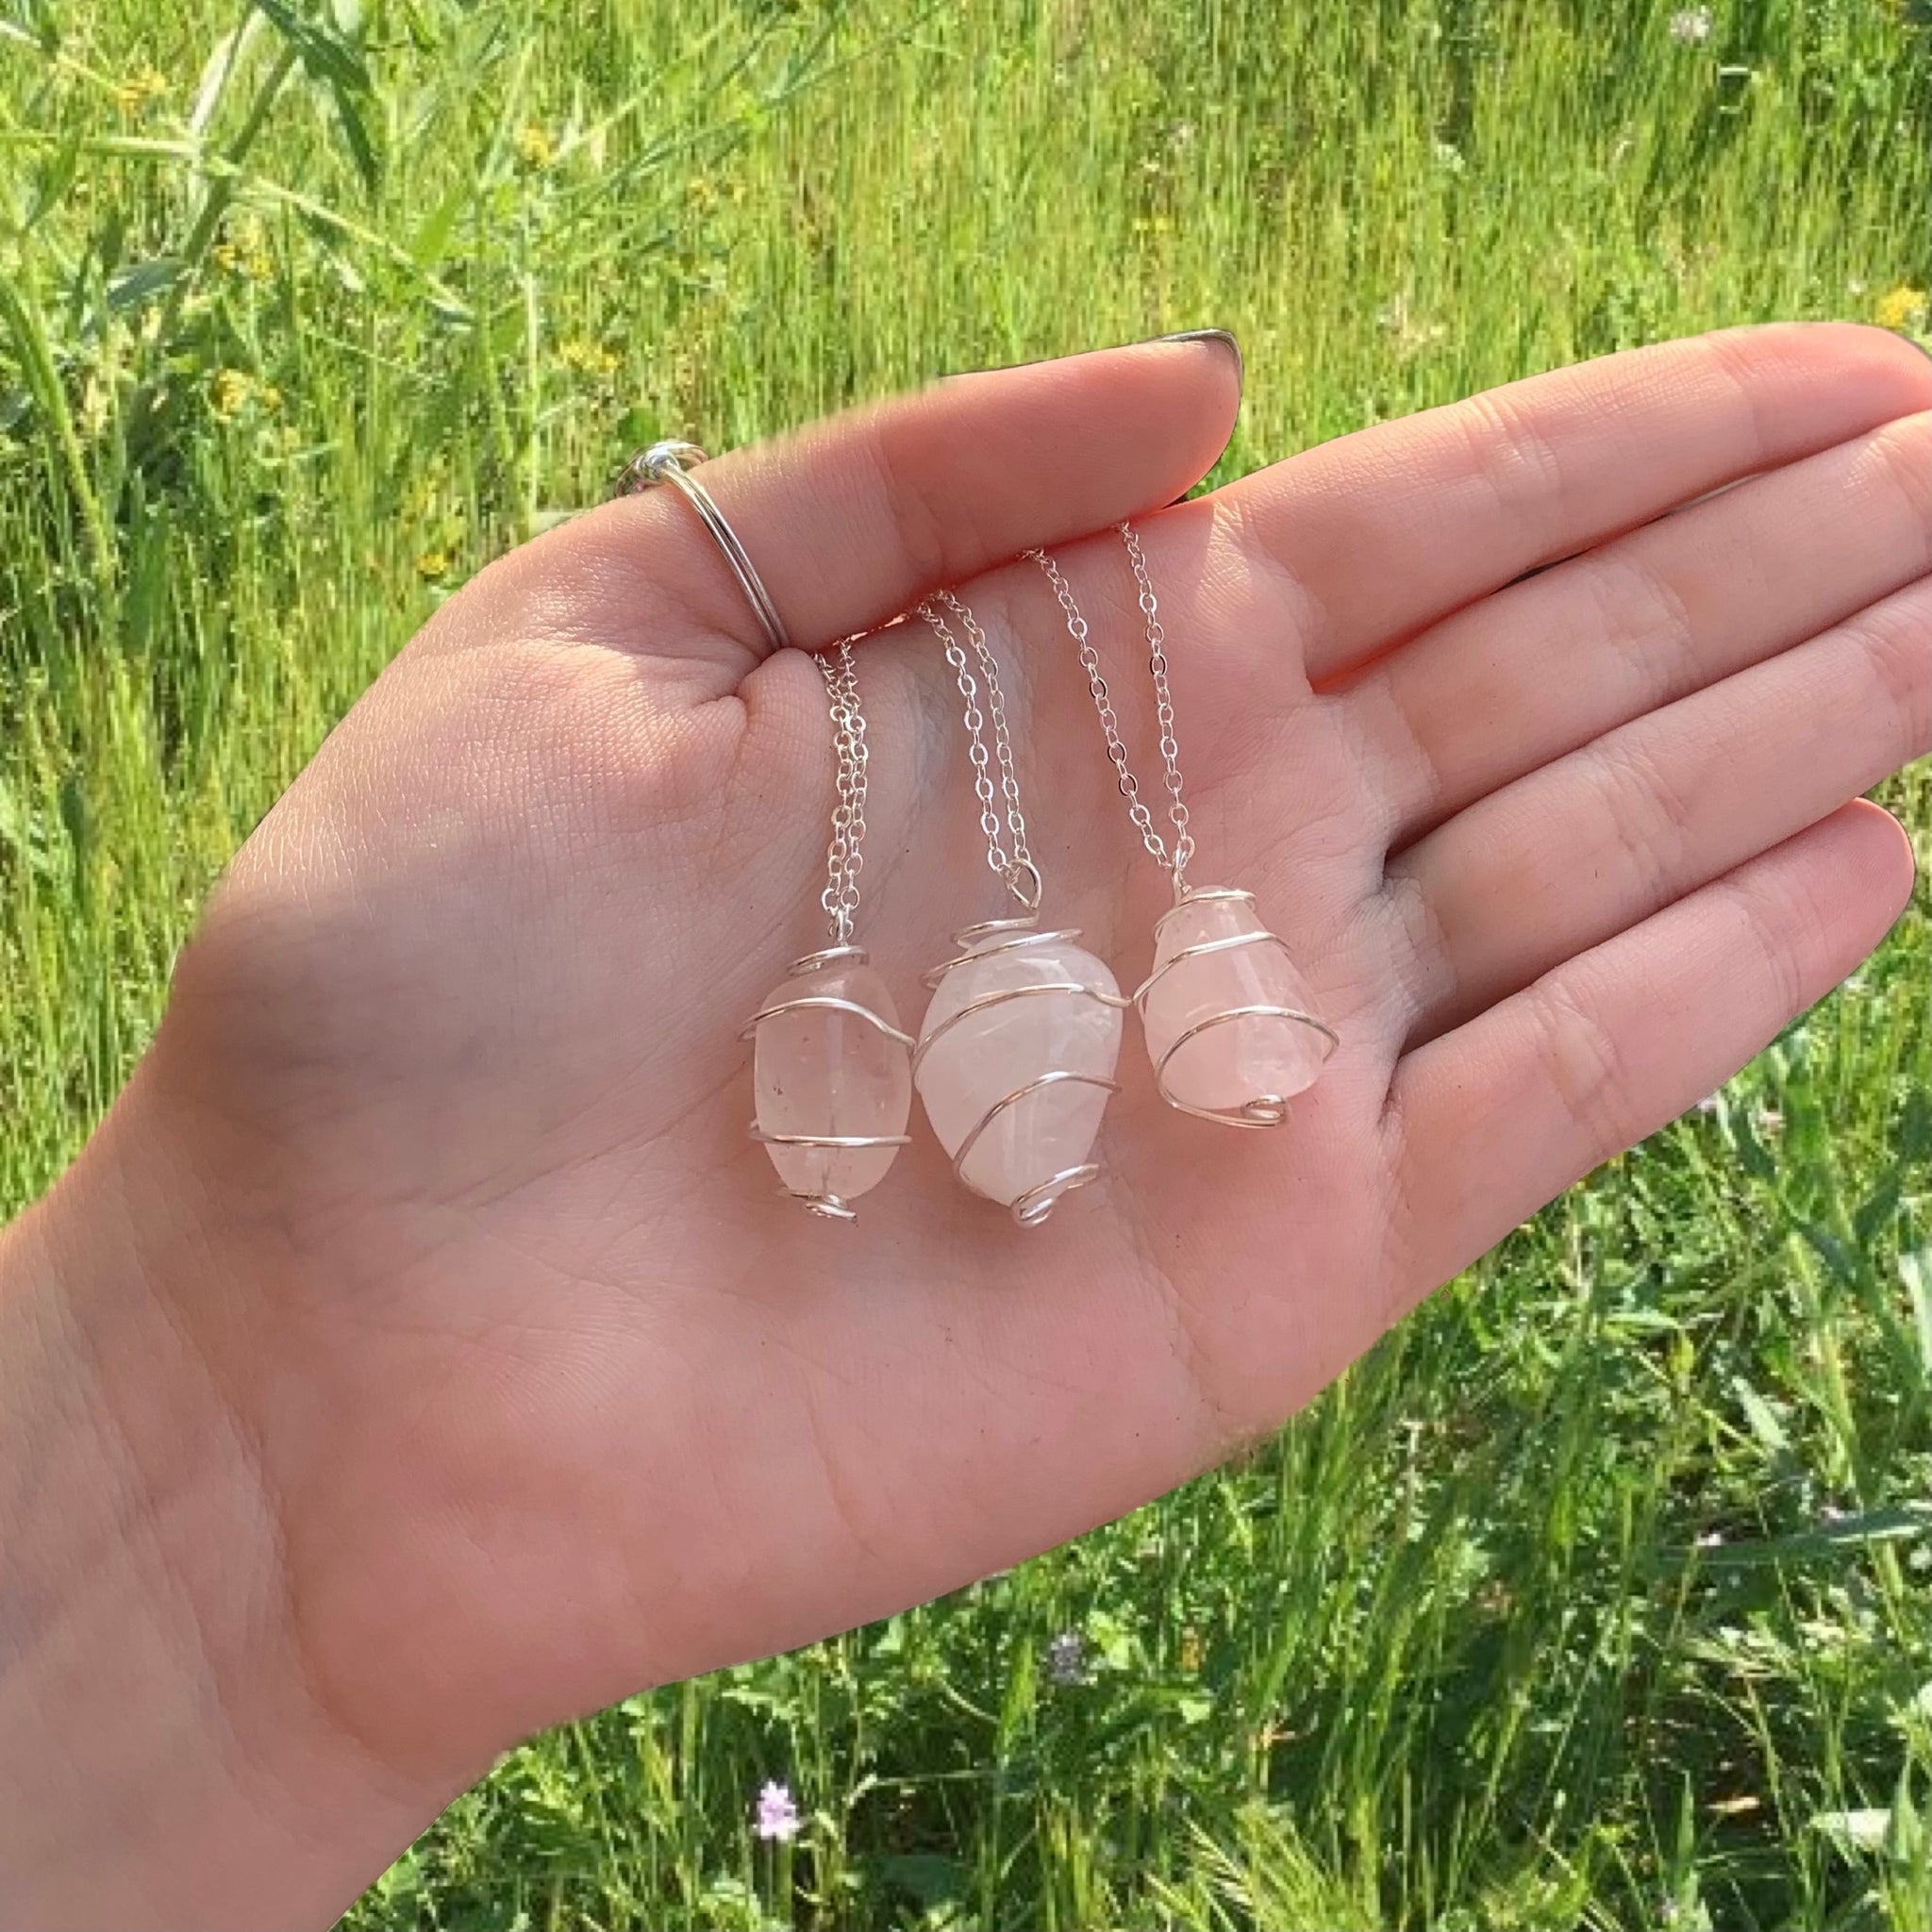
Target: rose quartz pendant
{"points": [[1230, 1022], [833, 1079], [1015, 1062]]}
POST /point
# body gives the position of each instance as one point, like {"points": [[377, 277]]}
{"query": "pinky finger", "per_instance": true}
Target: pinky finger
{"points": [[1499, 1116]]}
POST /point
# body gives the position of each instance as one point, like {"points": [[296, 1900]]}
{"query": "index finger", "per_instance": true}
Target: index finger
{"points": [[1384, 532]]}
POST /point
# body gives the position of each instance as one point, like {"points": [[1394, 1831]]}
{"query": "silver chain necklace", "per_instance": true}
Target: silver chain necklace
{"points": [[1230, 1024]]}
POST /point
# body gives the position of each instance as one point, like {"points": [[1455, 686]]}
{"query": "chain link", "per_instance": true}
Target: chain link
{"points": [[843, 859], [1016, 867], [1175, 862], [1102, 704], [1163, 702]]}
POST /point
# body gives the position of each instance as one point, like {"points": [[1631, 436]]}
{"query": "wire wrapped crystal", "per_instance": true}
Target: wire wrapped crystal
{"points": [[1229, 1021], [833, 1079], [1015, 1062]]}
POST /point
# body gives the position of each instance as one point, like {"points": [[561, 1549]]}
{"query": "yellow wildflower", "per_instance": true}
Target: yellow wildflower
{"points": [[535, 148], [229, 391], [140, 86], [587, 358], [243, 250], [1901, 307], [432, 564]]}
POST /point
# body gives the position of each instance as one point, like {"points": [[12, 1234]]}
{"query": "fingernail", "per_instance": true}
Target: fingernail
{"points": [[1211, 335]]}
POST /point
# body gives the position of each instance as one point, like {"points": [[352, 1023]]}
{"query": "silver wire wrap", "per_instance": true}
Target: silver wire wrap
{"points": [[1032, 1207], [1263, 1109], [664, 463]]}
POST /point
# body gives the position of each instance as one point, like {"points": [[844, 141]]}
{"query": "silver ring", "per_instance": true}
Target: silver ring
{"points": [[664, 463]]}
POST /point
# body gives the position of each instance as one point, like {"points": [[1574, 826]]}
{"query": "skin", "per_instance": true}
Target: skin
{"points": [[419, 1352]]}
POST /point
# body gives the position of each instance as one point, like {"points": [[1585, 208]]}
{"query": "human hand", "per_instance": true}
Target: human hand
{"points": [[438, 1167]]}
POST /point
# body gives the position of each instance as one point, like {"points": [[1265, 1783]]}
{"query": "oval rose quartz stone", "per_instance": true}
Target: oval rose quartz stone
{"points": [[996, 1052], [1235, 1063], [818, 1070]]}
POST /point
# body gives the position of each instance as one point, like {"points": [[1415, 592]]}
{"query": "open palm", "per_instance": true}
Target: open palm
{"points": [[1540, 764]]}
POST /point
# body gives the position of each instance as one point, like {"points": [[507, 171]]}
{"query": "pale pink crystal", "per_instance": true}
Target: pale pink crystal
{"points": [[819, 1070], [996, 1052], [1238, 1062]]}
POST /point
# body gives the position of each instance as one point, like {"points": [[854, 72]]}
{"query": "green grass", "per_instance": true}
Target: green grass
{"points": [[1598, 1596]]}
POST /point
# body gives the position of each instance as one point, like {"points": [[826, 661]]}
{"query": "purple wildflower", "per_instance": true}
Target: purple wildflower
{"points": [[777, 1818]]}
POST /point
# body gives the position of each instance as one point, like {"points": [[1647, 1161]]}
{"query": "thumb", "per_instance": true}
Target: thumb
{"points": [[852, 520]]}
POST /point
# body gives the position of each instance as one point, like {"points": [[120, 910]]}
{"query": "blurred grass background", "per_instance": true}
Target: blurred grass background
{"points": [[1598, 1596]]}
